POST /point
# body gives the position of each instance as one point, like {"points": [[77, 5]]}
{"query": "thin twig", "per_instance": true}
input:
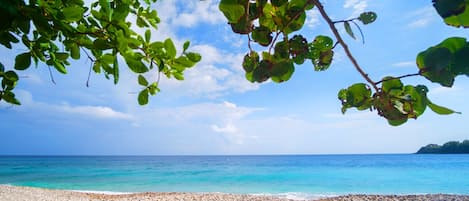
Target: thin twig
{"points": [[342, 21], [50, 74], [91, 66], [273, 41], [343, 44], [249, 43], [89, 75], [361, 32], [393, 78]]}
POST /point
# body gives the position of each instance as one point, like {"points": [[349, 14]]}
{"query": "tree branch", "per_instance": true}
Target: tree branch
{"points": [[343, 44], [393, 78]]}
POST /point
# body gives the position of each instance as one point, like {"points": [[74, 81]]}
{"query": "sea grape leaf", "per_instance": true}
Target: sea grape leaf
{"points": [[262, 35], [348, 29], [282, 71], [23, 61], [232, 10], [143, 97], [447, 8], [367, 17], [194, 57], [391, 83], [142, 81], [250, 61], [440, 109]]}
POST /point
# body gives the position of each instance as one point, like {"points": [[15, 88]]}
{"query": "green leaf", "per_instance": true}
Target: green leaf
{"points": [[23, 61], [449, 8], [170, 48], [178, 76], [262, 35], [282, 71], [194, 57], [323, 42], [143, 97], [358, 95], [348, 29], [418, 97], [9, 97], [60, 67], [391, 83], [116, 70], [278, 3], [101, 44], [2, 68], [73, 13], [250, 61], [461, 61], [61, 56], [453, 44], [440, 109], [435, 65], [11, 75], [184, 62], [147, 35], [243, 26], [367, 17], [232, 10], [185, 46], [137, 66], [396, 122], [142, 80]]}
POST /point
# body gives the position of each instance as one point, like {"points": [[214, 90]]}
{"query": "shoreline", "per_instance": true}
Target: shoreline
{"points": [[14, 193]]}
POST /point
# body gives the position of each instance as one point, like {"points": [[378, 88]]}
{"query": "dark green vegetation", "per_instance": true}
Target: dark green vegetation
{"points": [[452, 147], [279, 20], [102, 31], [55, 31]]}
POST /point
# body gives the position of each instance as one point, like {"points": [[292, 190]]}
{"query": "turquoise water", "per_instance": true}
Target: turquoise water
{"points": [[308, 175]]}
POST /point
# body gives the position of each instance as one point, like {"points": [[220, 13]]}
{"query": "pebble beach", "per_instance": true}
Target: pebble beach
{"points": [[16, 193]]}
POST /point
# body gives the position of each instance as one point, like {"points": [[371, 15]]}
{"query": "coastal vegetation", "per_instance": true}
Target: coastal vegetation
{"points": [[102, 32], [452, 147]]}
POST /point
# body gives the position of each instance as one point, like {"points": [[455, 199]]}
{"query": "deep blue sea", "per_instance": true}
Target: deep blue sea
{"points": [[297, 175]]}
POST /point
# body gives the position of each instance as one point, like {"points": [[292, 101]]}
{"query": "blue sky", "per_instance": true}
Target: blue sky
{"points": [[216, 111]]}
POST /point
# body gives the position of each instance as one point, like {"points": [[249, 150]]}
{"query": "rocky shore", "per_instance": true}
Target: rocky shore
{"points": [[15, 193]]}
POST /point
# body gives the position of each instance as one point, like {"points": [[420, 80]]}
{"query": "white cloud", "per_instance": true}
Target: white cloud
{"points": [[99, 112], [358, 6], [87, 111], [312, 19], [217, 74], [404, 64], [222, 119], [422, 17], [201, 12]]}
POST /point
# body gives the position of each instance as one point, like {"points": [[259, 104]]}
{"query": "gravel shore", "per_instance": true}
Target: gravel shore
{"points": [[15, 193]]}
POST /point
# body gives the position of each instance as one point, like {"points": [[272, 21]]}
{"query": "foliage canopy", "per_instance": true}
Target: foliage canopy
{"points": [[273, 24], [103, 32]]}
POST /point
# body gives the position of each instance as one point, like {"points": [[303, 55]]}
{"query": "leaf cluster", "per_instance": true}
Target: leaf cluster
{"points": [[276, 19], [264, 21], [65, 29], [394, 101]]}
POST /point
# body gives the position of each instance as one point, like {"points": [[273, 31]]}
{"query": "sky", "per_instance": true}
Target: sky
{"points": [[216, 111]]}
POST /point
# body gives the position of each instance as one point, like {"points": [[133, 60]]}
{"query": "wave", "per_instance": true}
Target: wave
{"points": [[298, 195], [103, 192]]}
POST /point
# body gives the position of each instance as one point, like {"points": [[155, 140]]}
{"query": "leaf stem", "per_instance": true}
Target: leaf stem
{"points": [[343, 44]]}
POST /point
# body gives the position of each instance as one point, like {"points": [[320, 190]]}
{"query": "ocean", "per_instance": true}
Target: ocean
{"points": [[292, 176]]}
